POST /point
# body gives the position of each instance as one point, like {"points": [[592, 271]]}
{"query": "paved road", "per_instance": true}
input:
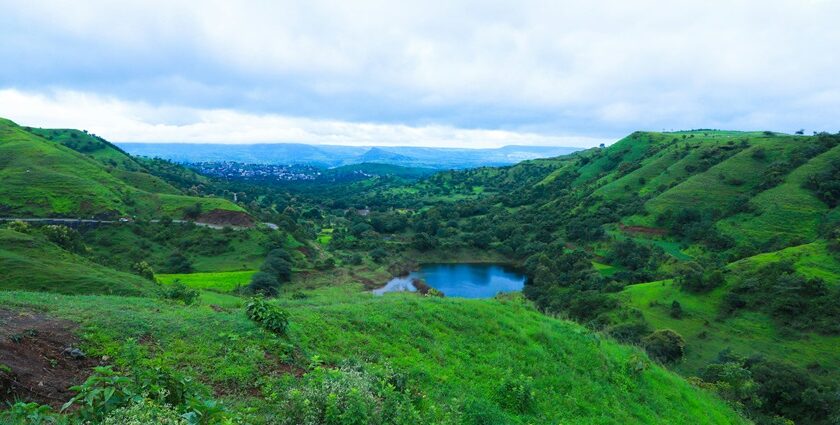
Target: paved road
{"points": [[92, 221]]}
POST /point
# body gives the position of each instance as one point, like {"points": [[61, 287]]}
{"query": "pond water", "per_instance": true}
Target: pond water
{"points": [[461, 280]]}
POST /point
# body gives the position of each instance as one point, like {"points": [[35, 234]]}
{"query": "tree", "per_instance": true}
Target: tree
{"points": [[676, 310], [178, 263], [665, 345], [277, 267], [422, 242], [264, 283], [378, 254], [193, 211]]}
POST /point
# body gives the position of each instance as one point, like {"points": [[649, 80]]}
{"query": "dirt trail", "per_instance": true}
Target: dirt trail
{"points": [[37, 362]]}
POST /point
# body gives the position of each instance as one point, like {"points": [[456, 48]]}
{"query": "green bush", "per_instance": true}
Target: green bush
{"points": [[180, 293], [665, 345], [19, 226], [143, 269], [64, 237], [269, 316]]}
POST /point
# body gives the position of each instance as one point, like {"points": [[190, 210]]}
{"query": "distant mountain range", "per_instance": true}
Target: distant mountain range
{"points": [[335, 156]]}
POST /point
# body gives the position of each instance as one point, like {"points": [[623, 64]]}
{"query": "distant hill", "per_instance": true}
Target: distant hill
{"points": [[334, 156], [69, 173]]}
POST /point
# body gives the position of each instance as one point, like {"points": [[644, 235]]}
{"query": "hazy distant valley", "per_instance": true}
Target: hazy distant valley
{"points": [[334, 156]]}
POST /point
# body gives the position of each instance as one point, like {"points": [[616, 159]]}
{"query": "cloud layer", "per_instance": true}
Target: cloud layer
{"points": [[537, 69]]}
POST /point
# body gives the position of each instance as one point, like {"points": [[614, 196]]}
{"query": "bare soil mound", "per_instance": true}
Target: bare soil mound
{"points": [[39, 359], [642, 230], [226, 218]]}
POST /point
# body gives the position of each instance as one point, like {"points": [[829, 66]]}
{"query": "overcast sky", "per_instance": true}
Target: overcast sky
{"points": [[455, 73]]}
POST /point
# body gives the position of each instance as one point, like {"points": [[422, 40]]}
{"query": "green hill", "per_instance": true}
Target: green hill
{"points": [[30, 263], [43, 178]]}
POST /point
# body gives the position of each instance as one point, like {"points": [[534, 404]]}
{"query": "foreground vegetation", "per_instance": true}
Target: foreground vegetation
{"points": [[432, 351]]}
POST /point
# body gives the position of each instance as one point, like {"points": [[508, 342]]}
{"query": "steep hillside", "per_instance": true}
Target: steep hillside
{"points": [[43, 178]]}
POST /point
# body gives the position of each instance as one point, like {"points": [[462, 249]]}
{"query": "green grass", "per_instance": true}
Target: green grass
{"points": [[450, 351], [810, 260], [325, 236], [218, 281], [605, 270], [28, 262]]}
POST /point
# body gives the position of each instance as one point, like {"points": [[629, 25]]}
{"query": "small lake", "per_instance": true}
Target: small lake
{"points": [[461, 280]]}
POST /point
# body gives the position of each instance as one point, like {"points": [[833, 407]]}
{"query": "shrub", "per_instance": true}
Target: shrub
{"points": [[676, 310], [665, 345], [180, 293], [143, 269], [19, 226], [348, 396], [269, 316], [64, 237], [631, 332]]}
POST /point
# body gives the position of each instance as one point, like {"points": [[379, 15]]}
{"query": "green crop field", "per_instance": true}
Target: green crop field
{"points": [[217, 281]]}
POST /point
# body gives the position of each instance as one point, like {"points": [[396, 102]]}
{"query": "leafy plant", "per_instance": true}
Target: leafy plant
{"points": [[102, 392], [516, 394], [268, 315], [22, 413]]}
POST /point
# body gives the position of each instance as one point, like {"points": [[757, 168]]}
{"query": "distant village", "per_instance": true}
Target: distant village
{"points": [[238, 170]]}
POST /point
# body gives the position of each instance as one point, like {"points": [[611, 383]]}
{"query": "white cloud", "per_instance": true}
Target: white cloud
{"points": [[602, 67], [122, 121]]}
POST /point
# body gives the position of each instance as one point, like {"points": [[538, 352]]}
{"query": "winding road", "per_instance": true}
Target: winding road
{"points": [[71, 221]]}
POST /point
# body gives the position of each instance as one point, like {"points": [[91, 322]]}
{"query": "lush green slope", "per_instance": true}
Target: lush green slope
{"points": [[31, 263], [454, 354], [44, 178]]}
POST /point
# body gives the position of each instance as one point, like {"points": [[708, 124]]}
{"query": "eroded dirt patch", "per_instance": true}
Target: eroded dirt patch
{"points": [[227, 218], [641, 230], [37, 358]]}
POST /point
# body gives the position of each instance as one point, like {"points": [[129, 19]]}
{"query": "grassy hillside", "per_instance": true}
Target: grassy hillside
{"points": [[454, 355], [43, 178], [31, 263], [708, 333]]}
